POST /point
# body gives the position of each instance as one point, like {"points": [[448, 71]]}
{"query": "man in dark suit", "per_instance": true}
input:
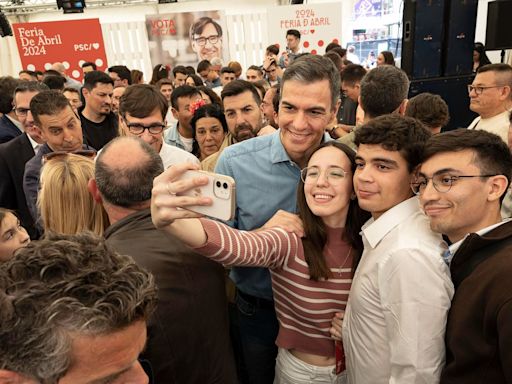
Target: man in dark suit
{"points": [[9, 125], [16, 153]]}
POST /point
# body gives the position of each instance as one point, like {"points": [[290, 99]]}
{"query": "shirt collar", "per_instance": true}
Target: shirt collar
{"points": [[455, 246], [278, 153], [34, 143], [15, 122], [375, 230]]}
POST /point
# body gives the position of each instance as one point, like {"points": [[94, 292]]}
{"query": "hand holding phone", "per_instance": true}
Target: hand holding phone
{"points": [[220, 189]]}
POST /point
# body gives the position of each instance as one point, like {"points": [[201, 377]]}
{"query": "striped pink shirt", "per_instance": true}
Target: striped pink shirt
{"points": [[304, 307]]}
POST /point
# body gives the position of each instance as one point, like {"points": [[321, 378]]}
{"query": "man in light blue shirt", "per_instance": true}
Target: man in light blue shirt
{"points": [[267, 170]]}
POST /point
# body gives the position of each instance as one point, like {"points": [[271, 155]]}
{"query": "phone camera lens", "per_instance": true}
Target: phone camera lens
{"points": [[225, 185], [218, 184]]}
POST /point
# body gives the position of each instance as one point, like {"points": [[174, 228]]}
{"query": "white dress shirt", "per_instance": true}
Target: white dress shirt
{"points": [[394, 325], [173, 155]]}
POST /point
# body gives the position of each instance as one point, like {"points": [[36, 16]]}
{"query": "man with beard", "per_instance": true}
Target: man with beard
{"points": [[241, 103], [98, 121], [62, 132]]}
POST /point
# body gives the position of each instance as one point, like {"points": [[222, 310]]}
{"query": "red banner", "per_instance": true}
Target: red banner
{"points": [[69, 42]]}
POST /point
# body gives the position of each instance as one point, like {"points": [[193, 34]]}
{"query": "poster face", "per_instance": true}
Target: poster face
{"points": [[318, 24], [186, 38], [69, 42]]}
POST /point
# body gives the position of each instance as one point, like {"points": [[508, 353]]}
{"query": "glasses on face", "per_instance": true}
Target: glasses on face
{"points": [[89, 153], [334, 175], [201, 41], [138, 129], [21, 111], [441, 183], [480, 89]]}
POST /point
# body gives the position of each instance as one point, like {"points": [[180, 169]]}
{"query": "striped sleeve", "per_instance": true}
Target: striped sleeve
{"points": [[269, 248]]}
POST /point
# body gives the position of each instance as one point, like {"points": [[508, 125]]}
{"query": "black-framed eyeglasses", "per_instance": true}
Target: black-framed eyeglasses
{"points": [[213, 39], [441, 183], [480, 89], [334, 175], [21, 111], [138, 129]]}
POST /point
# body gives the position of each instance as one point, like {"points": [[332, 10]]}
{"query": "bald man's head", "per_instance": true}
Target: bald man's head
{"points": [[125, 170], [59, 67]]}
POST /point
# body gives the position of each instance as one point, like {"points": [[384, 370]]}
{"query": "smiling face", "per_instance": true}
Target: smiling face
{"points": [[328, 186], [204, 47], [62, 131], [468, 206], [110, 358], [381, 180], [12, 236], [304, 113], [209, 135]]}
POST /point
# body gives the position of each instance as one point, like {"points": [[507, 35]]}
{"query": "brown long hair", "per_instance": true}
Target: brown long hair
{"points": [[314, 227]]}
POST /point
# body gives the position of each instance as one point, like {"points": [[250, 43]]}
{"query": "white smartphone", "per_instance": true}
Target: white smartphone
{"points": [[220, 188]]}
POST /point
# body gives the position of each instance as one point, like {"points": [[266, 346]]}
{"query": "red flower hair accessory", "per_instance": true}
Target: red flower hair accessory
{"points": [[195, 106]]}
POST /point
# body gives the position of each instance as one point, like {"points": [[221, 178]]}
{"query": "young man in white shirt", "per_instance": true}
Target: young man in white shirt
{"points": [[394, 324]]}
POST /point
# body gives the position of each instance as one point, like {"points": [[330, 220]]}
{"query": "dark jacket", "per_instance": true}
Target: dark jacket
{"points": [[479, 328], [13, 157], [8, 130], [188, 336], [31, 179]]}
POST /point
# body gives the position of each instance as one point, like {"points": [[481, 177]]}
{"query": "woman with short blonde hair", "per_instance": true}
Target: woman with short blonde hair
{"points": [[65, 204]]}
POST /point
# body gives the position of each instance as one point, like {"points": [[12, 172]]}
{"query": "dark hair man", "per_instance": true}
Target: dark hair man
{"points": [[54, 82], [292, 48], [165, 86], [430, 109], [10, 127], [254, 73], [73, 311], [62, 132], [98, 121], [142, 111], [351, 77], [73, 97], [273, 163], [191, 295], [121, 75], [27, 75], [267, 106], [383, 90], [461, 182], [227, 75], [180, 134], [203, 69], [490, 96], [206, 38], [402, 289], [88, 67], [180, 74], [17, 152]]}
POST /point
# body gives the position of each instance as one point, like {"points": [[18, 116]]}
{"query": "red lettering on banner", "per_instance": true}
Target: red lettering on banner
{"points": [[161, 27], [42, 44]]}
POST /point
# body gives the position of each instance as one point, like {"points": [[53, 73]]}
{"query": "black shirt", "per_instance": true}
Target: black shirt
{"points": [[98, 134]]}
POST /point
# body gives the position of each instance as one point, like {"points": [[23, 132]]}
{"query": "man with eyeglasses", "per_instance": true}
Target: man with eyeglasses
{"points": [[393, 327], [17, 152], [206, 38], [491, 97], [461, 183], [142, 111]]}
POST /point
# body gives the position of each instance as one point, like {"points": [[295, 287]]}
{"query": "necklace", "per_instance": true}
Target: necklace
{"points": [[344, 261]]}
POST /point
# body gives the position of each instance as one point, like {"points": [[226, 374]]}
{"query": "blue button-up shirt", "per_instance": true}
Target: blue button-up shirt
{"points": [[266, 181], [172, 136]]}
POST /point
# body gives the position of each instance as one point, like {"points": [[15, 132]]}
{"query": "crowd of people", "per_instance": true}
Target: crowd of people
{"points": [[368, 244]]}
